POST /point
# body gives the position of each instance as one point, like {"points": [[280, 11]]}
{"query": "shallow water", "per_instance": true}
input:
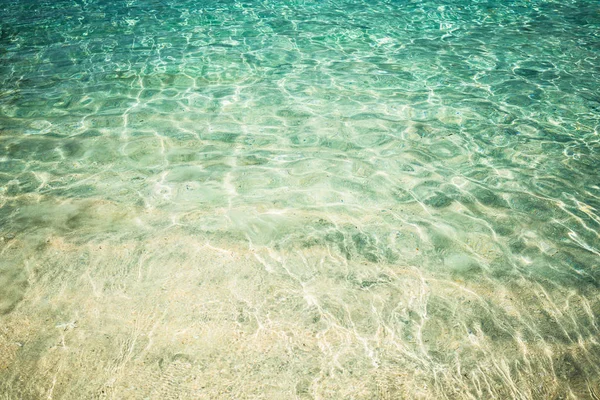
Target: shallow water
{"points": [[299, 199]]}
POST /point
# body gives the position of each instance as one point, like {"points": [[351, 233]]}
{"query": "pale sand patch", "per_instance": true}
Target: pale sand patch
{"points": [[190, 316]]}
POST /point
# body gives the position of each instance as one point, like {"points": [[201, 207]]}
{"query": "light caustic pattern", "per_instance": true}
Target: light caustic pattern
{"points": [[299, 199]]}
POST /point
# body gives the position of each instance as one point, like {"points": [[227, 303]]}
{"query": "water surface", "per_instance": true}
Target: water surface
{"points": [[299, 199]]}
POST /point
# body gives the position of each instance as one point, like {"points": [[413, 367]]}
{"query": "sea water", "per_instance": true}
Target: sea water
{"points": [[277, 199]]}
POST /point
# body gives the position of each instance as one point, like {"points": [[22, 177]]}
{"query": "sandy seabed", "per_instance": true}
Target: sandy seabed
{"points": [[143, 312]]}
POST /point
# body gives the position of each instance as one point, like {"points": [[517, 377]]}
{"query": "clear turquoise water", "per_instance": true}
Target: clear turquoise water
{"points": [[299, 199]]}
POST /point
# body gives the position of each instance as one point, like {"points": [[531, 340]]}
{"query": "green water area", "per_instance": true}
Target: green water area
{"points": [[299, 199]]}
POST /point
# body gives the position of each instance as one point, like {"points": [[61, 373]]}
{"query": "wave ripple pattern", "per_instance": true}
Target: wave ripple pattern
{"points": [[299, 199]]}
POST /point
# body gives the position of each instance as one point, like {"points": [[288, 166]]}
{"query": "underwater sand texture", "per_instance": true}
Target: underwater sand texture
{"points": [[299, 199]]}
